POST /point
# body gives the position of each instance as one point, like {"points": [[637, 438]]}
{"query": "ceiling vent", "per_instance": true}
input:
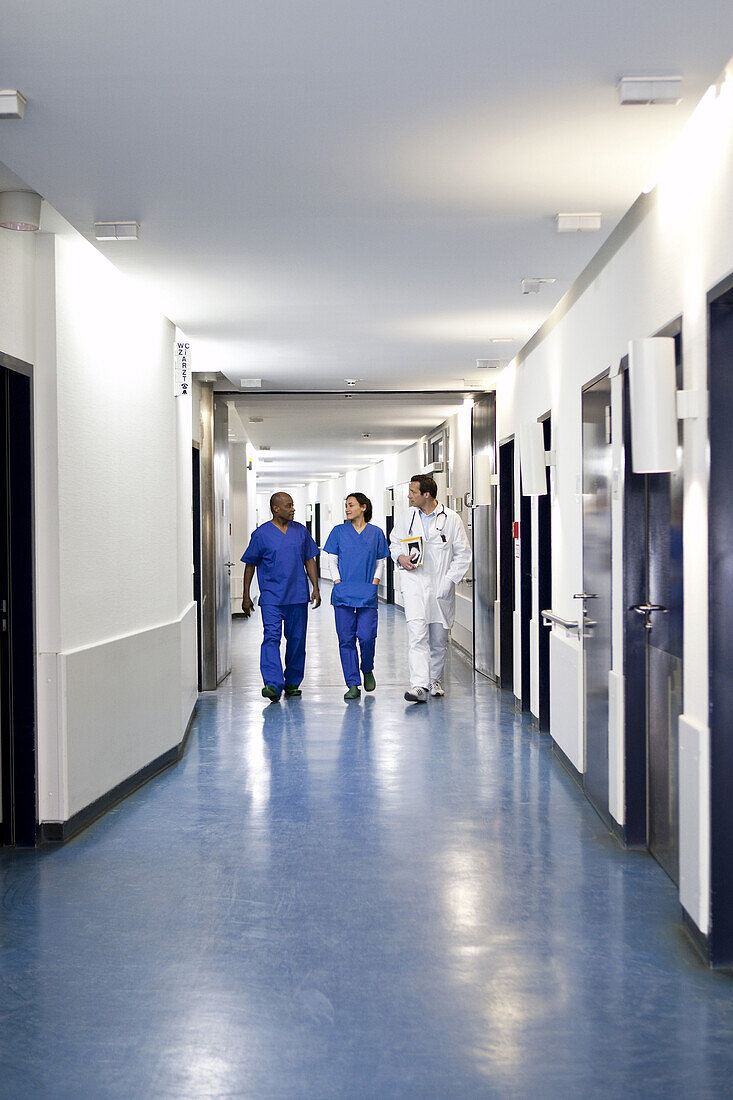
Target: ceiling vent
{"points": [[255, 419], [12, 104], [116, 231], [251, 383], [488, 364], [639, 91], [264, 447], [578, 223]]}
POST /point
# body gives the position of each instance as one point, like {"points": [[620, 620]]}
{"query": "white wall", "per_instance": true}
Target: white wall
{"points": [[115, 636], [681, 248]]}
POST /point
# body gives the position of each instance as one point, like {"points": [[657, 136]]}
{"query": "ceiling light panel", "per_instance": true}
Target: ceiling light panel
{"points": [[116, 231], [638, 91], [12, 104], [578, 223]]}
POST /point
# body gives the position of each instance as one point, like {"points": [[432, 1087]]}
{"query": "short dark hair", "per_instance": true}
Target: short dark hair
{"points": [[365, 502], [273, 500], [427, 484]]}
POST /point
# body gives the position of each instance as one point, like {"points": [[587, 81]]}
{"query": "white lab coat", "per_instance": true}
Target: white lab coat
{"points": [[430, 590]]}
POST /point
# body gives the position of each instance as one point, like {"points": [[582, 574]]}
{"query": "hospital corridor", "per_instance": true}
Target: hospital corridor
{"points": [[366, 550]]}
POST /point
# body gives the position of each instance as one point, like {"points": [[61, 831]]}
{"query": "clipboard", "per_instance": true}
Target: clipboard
{"points": [[414, 549]]}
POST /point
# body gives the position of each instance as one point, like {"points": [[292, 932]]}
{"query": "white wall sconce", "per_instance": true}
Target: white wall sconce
{"points": [[532, 459], [12, 104], [657, 405], [20, 210]]}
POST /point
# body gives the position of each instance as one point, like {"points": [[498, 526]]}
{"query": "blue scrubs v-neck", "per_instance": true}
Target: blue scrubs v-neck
{"points": [[357, 553], [280, 557]]}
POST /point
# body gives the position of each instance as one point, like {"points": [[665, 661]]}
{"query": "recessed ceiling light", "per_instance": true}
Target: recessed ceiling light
{"points": [[661, 91], [12, 104], [487, 364], [578, 223], [116, 231], [351, 381], [502, 339], [532, 285]]}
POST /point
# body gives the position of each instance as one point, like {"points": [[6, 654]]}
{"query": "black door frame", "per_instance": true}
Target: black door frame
{"points": [[506, 559], [525, 593], [389, 525], [196, 498], [636, 764], [17, 580], [544, 583], [720, 622]]}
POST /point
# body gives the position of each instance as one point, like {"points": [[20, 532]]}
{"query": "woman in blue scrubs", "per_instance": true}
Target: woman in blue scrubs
{"points": [[357, 548]]}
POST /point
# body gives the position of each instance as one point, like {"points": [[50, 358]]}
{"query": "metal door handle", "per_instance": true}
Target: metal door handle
{"points": [[646, 609], [585, 596]]}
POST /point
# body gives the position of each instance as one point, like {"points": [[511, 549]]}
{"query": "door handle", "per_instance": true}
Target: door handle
{"points": [[646, 610], [585, 596]]}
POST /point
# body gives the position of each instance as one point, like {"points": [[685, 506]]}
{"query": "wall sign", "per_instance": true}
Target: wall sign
{"points": [[182, 370]]}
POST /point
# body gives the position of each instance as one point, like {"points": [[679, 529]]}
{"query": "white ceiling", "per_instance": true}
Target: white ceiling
{"points": [[348, 189], [311, 437]]}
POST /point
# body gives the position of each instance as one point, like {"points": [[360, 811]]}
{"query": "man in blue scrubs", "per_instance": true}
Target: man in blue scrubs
{"points": [[284, 554]]}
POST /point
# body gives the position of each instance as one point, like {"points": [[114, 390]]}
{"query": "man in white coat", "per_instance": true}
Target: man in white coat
{"points": [[429, 544]]}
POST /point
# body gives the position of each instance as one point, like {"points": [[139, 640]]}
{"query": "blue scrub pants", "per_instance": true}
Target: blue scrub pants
{"points": [[293, 617], [354, 623]]}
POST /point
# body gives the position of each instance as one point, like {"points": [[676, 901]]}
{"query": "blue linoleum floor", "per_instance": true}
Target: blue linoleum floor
{"points": [[363, 900]]}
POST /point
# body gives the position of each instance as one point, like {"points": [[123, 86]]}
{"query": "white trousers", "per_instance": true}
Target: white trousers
{"points": [[428, 645]]}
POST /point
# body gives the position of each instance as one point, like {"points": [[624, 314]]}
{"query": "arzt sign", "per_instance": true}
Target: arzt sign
{"points": [[182, 370]]}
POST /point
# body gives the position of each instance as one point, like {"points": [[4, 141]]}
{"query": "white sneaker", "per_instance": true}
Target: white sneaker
{"points": [[437, 690], [417, 695]]}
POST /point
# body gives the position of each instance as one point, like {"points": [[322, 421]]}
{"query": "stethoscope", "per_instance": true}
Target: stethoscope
{"points": [[440, 513]]}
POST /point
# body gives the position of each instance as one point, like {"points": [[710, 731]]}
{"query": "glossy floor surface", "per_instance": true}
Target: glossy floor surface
{"points": [[354, 900]]}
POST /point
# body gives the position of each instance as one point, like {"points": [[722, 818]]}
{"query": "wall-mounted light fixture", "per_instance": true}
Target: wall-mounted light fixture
{"points": [[20, 210], [12, 104], [116, 231]]}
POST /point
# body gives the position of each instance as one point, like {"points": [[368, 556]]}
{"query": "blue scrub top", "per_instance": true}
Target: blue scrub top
{"points": [[280, 558], [357, 555]]}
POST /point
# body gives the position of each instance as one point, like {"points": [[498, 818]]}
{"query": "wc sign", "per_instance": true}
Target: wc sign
{"points": [[182, 370]]}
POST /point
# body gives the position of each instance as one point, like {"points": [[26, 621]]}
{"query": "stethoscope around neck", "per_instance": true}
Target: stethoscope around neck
{"points": [[439, 514]]}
